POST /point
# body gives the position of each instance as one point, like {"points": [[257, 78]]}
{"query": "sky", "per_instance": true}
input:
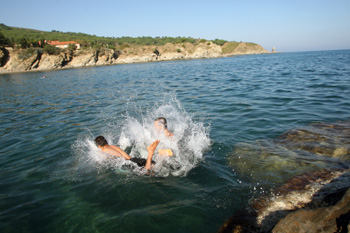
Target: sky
{"points": [[287, 25]]}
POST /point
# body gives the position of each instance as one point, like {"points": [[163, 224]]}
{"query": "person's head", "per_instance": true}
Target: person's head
{"points": [[100, 141], [161, 123]]}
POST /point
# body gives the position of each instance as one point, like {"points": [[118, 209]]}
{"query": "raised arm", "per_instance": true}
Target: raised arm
{"points": [[151, 150]]}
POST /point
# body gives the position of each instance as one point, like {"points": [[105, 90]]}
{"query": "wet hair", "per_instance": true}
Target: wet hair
{"points": [[101, 141], [162, 121]]}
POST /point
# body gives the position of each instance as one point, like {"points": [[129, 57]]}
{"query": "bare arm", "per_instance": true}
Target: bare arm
{"points": [[115, 151], [120, 151], [151, 150]]}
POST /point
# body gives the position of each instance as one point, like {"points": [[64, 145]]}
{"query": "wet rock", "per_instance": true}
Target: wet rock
{"points": [[239, 223], [325, 219], [309, 191], [312, 164], [301, 191]]}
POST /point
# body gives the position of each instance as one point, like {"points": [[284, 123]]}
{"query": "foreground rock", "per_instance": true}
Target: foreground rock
{"points": [[325, 219], [314, 192], [311, 167], [35, 59]]}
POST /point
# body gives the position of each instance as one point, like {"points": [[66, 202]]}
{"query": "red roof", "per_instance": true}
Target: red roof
{"points": [[61, 43]]}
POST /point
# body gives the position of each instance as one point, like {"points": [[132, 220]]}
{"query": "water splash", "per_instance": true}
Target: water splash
{"points": [[135, 130]]}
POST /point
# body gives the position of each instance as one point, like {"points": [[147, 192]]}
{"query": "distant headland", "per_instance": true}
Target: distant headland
{"points": [[32, 50]]}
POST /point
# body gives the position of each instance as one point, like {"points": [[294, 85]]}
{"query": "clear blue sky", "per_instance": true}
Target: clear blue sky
{"points": [[288, 25]]}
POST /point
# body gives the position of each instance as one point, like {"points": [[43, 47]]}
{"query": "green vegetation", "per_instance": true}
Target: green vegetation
{"points": [[4, 41], [229, 47], [27, 53], [219, 42], [11, 36], [51, 49]]}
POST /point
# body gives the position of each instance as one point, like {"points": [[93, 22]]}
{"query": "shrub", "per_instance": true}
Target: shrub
{"points": [[27, 53], [4, 41], [219, 42], [24, 43], [72, 47], [51, 49], [123, 46]]}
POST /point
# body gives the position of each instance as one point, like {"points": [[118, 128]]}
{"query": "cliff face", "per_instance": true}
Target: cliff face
{"points": [[21, 60]]}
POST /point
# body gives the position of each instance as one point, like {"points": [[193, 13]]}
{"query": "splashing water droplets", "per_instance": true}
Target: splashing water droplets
{"points": [[136, 131]]}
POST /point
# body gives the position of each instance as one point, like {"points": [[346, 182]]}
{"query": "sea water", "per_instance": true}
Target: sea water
{"points": [[54, 179]]}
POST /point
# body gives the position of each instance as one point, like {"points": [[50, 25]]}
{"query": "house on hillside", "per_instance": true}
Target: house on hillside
{"points": [[62, 45]]}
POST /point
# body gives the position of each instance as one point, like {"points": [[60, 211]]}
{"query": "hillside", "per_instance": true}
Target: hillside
{"points": [[16, 36], [97, 51]]}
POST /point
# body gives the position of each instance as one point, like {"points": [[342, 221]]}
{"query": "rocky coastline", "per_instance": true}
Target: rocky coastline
{"points": [[21, 60]]}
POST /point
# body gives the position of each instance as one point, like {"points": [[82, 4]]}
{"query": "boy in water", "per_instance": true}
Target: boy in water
{"points": [[161, 126], [102, 143]]}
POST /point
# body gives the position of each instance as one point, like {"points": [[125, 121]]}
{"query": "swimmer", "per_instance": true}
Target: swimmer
{"points": [[102, 143], [161, 126]]}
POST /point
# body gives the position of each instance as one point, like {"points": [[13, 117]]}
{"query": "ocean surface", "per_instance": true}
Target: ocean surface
{"points": [[54, 179]]}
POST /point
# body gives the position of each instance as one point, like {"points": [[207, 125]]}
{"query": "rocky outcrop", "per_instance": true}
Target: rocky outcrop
{"points": [[306, 194], [23, 60], [307, 190], [4, 56], [309, 201], [335, 218], [248, 48], [35, 59]]}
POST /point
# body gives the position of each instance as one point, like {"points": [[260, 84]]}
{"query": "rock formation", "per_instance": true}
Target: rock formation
{"points": [[331, 219], [35, 59], [309, 201], [306, 195]]}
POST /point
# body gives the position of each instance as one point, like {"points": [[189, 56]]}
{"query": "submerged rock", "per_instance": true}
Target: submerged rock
{"points": [[322, 145], [325, 139]]}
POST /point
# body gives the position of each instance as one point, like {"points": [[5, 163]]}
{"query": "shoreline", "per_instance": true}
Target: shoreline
{"points": [[3, 72], [23, 60]]}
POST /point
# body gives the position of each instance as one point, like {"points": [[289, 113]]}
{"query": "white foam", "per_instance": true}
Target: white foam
{"points": [[135, 131]]}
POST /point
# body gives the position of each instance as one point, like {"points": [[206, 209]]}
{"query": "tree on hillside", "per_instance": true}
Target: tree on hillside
{"points": [[24, 43], [72, 47], [219, 42], [51, 49], [4, 41]]}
